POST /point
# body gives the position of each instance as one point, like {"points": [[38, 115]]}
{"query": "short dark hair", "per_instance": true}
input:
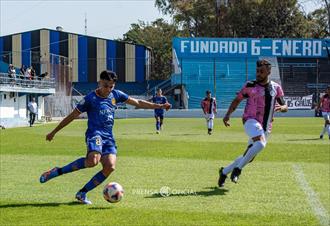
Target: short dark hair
{"points": [[108, 75], [261, 63], [208, 92]]}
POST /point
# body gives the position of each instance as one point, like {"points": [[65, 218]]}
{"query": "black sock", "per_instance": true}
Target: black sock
{"points": [[83, 190]]}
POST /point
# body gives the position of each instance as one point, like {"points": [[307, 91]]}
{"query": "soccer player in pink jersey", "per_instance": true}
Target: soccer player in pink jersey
{"points": [[324, 105], [263, 98], [209, 107]]}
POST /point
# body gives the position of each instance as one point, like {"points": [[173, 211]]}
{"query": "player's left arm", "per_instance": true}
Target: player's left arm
{"points": [[281, 106], [146, 104]]}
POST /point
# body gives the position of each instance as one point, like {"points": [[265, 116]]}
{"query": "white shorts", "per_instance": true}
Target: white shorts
{"points": [[209, 116], [253, 128], [326, 115]]}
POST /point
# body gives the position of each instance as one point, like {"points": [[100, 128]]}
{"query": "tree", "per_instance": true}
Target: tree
{"points": [[158, 36], [238, 18], [318, 24]]}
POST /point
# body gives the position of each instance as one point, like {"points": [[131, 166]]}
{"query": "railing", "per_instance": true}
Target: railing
{"points": [[25, 82]]}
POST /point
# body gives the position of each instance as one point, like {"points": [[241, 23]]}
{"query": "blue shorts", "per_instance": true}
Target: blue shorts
{"points": [[160, 115], [104, 147]]}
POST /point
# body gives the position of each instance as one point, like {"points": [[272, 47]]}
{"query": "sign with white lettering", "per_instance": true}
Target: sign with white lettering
{"points": [[304, 102], [237, 47]]}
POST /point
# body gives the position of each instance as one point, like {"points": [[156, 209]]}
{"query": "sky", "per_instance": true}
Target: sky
{"points": [[105, 19], [108, 19]]}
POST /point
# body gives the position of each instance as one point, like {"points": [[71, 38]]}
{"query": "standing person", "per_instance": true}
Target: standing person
{"points": [[262, 95], [159, 113], [209, 107], [100, 106], [33, 108], [324, 105]]}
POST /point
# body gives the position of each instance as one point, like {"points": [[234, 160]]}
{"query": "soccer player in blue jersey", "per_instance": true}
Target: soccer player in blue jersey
{"points": [[100, 106], [159, 113]]}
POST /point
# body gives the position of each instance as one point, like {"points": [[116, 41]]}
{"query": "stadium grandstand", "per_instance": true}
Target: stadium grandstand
{"points": [[72, 63], [301, 66]]}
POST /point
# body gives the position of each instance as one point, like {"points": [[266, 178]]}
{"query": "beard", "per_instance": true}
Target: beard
{"points": [[262, 80]]}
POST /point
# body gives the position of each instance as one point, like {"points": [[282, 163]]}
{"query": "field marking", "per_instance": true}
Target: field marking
{"points": [[320, 212]]}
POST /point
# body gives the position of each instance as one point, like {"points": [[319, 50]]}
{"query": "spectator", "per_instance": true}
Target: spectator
{"points": [[32, 73], [33, 108], [28, 73], [43, 75], [11, 71], [22, 72]]}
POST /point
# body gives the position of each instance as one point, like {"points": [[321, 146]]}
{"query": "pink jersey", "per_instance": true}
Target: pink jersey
{"points": [[325, 103], [209, 106], [261, 102]]}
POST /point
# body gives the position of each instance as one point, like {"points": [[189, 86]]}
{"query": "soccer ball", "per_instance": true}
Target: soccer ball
{"points": [[113, 192]]}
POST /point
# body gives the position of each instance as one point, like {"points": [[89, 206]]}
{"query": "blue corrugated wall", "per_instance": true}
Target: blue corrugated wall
{"points": [[140, 55], [82, 59], [26, 45], [111, 55]]}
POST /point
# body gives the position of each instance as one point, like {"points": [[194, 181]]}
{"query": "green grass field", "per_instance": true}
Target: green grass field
{"points": [[287, 184]]}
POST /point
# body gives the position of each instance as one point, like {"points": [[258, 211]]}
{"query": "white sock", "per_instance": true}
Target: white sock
{"points": [[328, 127], [251, 153], [210, 124], [230, 167], [323, 131]]}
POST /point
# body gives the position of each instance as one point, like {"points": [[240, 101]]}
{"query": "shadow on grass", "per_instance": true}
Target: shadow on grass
{"points": [[100, 208], [303, 139], [50, 204], [186, 192], [184, 134]]}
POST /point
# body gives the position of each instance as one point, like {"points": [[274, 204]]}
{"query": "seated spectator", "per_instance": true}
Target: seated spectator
{"points": [[43, 75], [11, 71], [32, 73], [22, 72], [28, 73]]}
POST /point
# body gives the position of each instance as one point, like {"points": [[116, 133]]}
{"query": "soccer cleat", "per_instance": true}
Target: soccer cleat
{"points": [[235, 174], [222, 178], [321, 136], [82, 198], [46, 176]]}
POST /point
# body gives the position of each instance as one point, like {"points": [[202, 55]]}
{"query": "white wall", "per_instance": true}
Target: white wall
{"points": [[16, 107], [6, 106]]}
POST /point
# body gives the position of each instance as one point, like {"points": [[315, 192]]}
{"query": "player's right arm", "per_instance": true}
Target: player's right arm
{"points": [[319, 106], [231, 109], [74, 114]]}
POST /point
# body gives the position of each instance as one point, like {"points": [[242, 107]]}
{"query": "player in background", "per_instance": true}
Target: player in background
{"points": [[159, 113], [209, 107], [263, 98], [100, 106], [324, 105]]}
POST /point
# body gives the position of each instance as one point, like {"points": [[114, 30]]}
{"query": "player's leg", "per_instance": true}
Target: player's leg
{"points": [[157, 123], [94, 146], [108, 161], [210, 124], [161, 119], [255, 131], [224, 171], [326, 117]]}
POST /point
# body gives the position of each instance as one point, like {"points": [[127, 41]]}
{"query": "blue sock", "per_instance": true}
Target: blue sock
{"points": [[157, 125], [73, 166], [95, 181]]}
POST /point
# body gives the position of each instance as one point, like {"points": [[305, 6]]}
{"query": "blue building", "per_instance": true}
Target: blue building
{"points": [[223, 65]]}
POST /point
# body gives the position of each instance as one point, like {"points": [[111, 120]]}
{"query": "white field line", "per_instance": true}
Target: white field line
{"points": [[312, 198]]}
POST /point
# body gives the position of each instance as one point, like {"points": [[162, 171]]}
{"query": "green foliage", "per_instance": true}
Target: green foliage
{"points": [[184, 158], [158, 36]]}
